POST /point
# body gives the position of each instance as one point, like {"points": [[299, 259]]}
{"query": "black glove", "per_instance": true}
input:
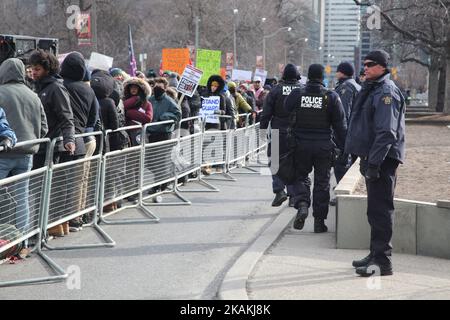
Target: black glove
{"points": [[6, 143], [372, 173], [363, 167]]}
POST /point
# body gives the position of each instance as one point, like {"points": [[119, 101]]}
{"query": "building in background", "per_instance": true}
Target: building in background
{"points": [[342, 32]]}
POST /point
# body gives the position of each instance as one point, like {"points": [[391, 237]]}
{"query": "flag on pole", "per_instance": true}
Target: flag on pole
{"points": [[133, 65]]}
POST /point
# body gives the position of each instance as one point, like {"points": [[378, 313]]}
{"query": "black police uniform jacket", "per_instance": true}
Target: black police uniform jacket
{"points": [[319, 114], [377, 123], [273, 110]]}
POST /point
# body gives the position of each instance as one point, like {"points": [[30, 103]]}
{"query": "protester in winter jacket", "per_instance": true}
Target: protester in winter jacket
{"points": [[56, 102], [260, 93], [82, 97], [27, 118], [242, 107], [138, 110], [215, 87]]}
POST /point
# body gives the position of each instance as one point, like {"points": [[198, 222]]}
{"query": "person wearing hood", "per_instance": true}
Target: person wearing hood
{"points": [[173, 80], [318, 116], [138, 110], [215, 88], [274, 114], [377, 135], [84, 107], [27, 119], [103, 85], [241, 105]]}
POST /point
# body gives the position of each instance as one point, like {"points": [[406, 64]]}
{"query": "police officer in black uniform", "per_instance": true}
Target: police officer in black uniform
{"points": [[377, 136], [316, 112], [274, 113]]}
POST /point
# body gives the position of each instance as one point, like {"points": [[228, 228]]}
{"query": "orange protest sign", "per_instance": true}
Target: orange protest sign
{"points": [[223, 73], [175, 60]]}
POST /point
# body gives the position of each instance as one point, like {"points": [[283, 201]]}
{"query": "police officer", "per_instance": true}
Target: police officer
{"points": [[317, 111], [347, 89], [377, 136], [274, 113]]}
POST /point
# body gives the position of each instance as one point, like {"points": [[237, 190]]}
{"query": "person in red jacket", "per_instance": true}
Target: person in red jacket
{"points": [[138, 110]]}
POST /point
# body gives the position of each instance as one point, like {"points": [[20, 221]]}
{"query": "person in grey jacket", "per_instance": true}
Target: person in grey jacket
{"points": [[27, 118]]}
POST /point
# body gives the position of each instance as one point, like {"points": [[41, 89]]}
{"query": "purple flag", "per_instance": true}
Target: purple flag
{"points": [[133, 66]]}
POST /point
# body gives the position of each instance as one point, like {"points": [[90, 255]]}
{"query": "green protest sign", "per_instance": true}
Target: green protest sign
{"points": [[209, 62]]}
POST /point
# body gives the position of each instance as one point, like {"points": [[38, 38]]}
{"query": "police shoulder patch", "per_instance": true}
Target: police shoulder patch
{"points": [[387, 100]]}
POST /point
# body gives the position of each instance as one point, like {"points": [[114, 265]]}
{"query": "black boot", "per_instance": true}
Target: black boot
{"points": [[376, 267], [302, 214], [280, 197], [291, 202], [363, 262], [319, 226]]}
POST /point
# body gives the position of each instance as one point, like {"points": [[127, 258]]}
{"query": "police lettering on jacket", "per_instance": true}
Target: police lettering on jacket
{"points": [[288, 89], [312, 102]]}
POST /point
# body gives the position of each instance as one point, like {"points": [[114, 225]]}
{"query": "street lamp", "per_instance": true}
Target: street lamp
{"points": [[270, 36], [235, 12]]}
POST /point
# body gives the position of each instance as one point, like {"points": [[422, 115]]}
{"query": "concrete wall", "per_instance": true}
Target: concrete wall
{"points": [[420, 228]]}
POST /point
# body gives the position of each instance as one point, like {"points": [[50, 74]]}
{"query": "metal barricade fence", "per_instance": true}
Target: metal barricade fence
{"points": [[190, 156], [74, 192], [159, 166], [121, 178], [216, 149], [23, 201]]}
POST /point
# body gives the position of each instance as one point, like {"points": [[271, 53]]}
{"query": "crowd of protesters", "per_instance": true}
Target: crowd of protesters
{"points": [[46, 99]]}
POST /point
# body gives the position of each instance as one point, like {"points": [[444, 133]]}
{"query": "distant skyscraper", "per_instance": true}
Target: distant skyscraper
{"points": [[342, 32], [366, 38]]}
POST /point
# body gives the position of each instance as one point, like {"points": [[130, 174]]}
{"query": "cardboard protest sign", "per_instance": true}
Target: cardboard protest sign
{"points": [[241, 75], [209, 106], [189, 81], [100, 61], [175, 60], [208, 61], [262, 74]]}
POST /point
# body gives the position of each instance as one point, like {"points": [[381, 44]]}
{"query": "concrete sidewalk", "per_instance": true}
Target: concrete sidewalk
{"points": [[299, 265]]}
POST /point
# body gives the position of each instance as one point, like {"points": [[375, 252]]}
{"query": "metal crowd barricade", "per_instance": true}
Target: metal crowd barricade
{"points": [[239, 144], [23, 202], [189, 159], [160, 160], [121, 178], [215, 149], [69, 182]]}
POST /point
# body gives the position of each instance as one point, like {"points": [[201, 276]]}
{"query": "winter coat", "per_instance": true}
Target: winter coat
{"points": [[226, 107], [82, 97], [103, 85], [138, 110], [22, 106], [56, 102], [5, 129], [164, 109]]}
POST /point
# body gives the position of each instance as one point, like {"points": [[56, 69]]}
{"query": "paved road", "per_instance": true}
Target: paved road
{"points": [[185, 256]]}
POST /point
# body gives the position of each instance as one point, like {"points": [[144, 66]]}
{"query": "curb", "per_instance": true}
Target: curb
{"points": [[234, 284]]}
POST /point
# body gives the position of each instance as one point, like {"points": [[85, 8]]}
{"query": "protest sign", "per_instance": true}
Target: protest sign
{"points": [[209, 62], [100, 61], [209, 106], [189, 81], [262, 74], [241, 75], [175, 60]]}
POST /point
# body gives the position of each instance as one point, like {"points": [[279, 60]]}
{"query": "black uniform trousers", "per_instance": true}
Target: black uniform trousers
{"points": [[317, 155], [380, 209]]}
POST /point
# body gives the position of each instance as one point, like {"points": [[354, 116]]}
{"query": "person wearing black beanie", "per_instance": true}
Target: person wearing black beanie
{"points": [[377, 135], [317, 115], [274, 114], [347, 89]]}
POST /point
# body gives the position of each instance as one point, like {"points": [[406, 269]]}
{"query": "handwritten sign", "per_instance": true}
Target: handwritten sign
{"points": [[208, 61], [209, 106], [175, 60]]}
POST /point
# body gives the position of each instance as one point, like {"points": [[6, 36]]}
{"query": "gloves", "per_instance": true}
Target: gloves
{"points": [[6, 143], [372, 173]]}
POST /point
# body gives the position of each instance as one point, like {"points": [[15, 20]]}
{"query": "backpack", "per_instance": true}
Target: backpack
{"points": [[8, 234]]}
